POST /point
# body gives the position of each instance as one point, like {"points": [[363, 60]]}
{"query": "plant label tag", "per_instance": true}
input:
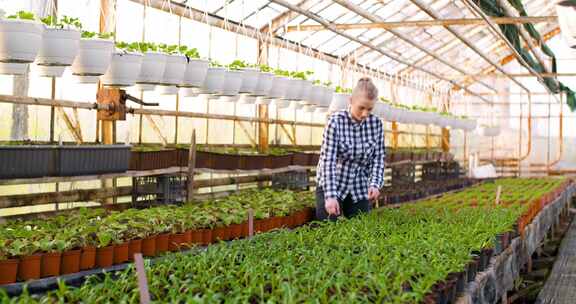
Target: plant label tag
{"points": [[498, 192], [142, 280], [250, 223]]}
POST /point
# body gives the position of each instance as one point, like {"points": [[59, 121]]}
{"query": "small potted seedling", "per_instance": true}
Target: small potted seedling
{"points": [[195, 73], [176, 64], [125, 66], [341, 99], [304, 86], [279, 90], [94, 56], [60, 42], [233, 79], [20, 41], [153, 65], [265, 81]]}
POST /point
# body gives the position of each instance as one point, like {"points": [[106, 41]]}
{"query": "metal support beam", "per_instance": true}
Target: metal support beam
{"points": [[373, 47], [374, 18], [423, 23]]}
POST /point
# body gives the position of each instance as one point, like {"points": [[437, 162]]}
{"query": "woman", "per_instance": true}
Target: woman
{"points": [[351, 168]]}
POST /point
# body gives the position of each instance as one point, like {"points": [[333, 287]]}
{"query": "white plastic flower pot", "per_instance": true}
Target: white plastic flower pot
{"points": [[263, 101], [247, 99], [20, 40], [166, 90], [339, 102], [327, 96], [281, 103], [47, 70], [321, 110], [85, 79], [264, 85], [232, 82], [195, 74], [94, 57], [152, 69], [59, 47], [123, 70], [470, 124], [308, 108], [13, 68], [317, 95], [189, 92], [296, 105], [443, 121], [174, 70], [279, 87], [214, 81], [250, 77], [305, 91], [294, 88]]}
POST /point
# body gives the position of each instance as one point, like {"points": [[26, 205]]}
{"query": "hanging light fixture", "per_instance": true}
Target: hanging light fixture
{"points": [[566, 10]]}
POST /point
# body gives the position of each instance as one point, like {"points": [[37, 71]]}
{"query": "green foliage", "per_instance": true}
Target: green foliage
{"points": [[88, 35], [265, 68], [342, 90], [23, 15], [169, 49], [65, 21], [191, 53], [240, 64], [301, 75], [283, 73], [128, 47]]}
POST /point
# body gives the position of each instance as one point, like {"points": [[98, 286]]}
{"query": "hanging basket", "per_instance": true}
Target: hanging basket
{"points": [[174, 70], [94, 57], [264, 85], [339, 102], [13, 68], [250, 77], [20, 40], [214, 81], [327, 96], [317, 95], [151, 70], [123, 70], [279, 87], [59, 47], [195, 73], [232, 82]]}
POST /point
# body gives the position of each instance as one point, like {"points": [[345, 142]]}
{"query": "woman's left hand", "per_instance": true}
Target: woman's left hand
{"points": [[373, 194]]}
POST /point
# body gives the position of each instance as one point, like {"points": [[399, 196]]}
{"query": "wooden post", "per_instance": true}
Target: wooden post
{"points": [[142, 280], [445, 140], [263, 146], [250, 223], [394, 135], [191, 165]]}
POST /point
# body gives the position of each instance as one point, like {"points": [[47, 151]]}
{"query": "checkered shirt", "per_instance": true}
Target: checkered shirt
{"points": [[352, 157]]}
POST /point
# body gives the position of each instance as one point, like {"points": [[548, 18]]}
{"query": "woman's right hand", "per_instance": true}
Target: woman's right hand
{"points": [[332, 206]]}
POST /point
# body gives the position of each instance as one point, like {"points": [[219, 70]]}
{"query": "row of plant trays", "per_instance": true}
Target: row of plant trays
{"points": [[398, 194], [397, 156], [27, 161], [52, 264], [150, 160], [447, 291]]}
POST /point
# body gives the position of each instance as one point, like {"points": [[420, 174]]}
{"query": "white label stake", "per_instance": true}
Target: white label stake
{"points": [[250, 223], [498, 192], [142, 280]]}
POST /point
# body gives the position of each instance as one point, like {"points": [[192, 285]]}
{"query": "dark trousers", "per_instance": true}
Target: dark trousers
{"points": [[348, 208]]}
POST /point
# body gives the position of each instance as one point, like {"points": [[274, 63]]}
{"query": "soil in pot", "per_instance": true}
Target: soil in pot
{"points": [[87, 258], [70, 261], [176, 241], [105, 256], [149, 246], [162, 241], [8, 271], [121, 253], [134, 246], [29, 268]]}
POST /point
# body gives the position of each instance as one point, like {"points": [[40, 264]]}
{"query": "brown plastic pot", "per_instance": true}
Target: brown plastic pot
{"points": [[245, 229], [8, 271], [162, 241], [220, 234], [70, 261], [121, 253], [87, 258], [149, 246], [105, 256], [206, 236], [188, 237], [176, 241], [196, 237], [235, 231], [134, 246], [29, 268]]}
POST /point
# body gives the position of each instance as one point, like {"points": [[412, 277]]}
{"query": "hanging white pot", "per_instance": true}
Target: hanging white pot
{"points": [[174, 69], [470, 124], [189, 92], [250, 78], [195, 74], [305, 91], [294, 88], [317, 95], [151, 70], [296, 105], [308, 108], [166, 90], [13, 68], [232, 82], [214, 81], [94, 57], [339, 102], [327, 96], [20, 41], [59, 47], [46, 70], [247, 99], [123, 70], [281, 103], [264, 85], [279, 87], [263, 101]]}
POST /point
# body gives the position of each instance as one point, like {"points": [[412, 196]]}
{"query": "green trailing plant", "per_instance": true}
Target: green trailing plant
{"points": [[88, 35], [265, 68], [301, 75], [280, 72], [128, 47], [23, 15], [169, 49], [191, 53]]}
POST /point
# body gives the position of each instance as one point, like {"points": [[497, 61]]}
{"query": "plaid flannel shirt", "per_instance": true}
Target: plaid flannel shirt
{"points": [[352, 157]]}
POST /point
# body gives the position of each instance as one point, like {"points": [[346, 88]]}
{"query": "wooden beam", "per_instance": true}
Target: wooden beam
{"points": [[424, 23], [191, 166], [253, 142], [84, 195], [282, 19], [495, 75], [157, 129]]}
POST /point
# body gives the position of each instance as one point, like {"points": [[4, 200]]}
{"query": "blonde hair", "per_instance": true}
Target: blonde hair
{"points": [[366, 87]]}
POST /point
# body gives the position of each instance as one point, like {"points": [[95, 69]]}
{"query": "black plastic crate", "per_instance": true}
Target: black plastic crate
{"points": [[97, 159], [27, 161], [159, 190], [293, 180]]}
